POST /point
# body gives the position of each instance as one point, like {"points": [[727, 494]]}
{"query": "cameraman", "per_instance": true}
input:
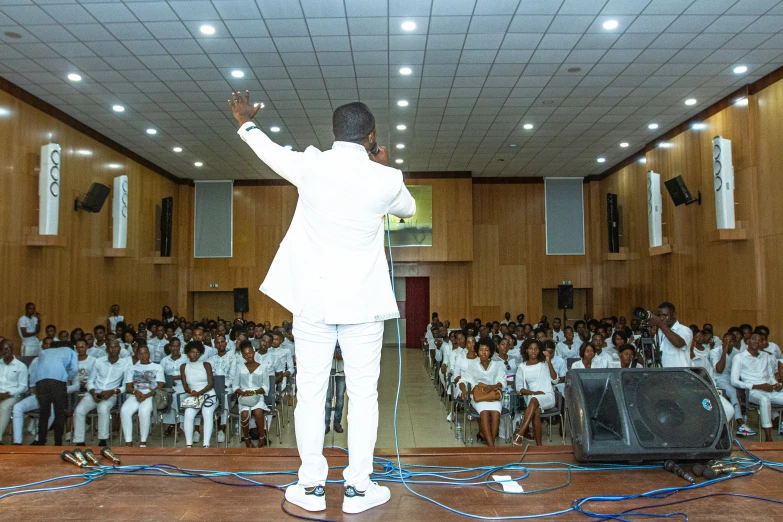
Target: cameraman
{"points": [[674, 339]]}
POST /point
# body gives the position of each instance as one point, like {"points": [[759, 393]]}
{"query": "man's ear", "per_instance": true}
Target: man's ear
{"points": [[372, 137]]}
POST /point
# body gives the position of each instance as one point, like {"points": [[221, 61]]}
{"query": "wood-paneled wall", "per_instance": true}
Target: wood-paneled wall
{"points": [[74, 285]]}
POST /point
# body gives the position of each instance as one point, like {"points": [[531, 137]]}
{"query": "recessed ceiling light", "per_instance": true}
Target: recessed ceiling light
{"points": [[289, 147], [177, 149], [274, 129], [400, 145], [610, 24], [513, 145], [84, 152], [198, 164], [114, 165], [398, 160], [402, 103], [652, 126], [699, 126], [408, 26], [527, 126], [742, 102], [11, 34], [401, 127], [665, 145], [118, 108], [601, 160], [740, 69], [405, 70], [151, 131], [4, 111], [207, 29], [690, 101], [624, 144], [642, 160], [237, 74], [74, 77], [574, 69]]}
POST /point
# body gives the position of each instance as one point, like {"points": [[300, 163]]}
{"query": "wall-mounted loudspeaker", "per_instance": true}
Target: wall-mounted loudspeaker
{"points": [[166, 217], [49, 190], [241, 300], [94, 199], [565, 297], [613, 222], [119, 210], [654, 211], [651, 414], [723, 174]]}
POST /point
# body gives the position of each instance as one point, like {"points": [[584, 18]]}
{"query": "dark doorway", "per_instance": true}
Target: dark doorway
{"points": [[417, 309]]}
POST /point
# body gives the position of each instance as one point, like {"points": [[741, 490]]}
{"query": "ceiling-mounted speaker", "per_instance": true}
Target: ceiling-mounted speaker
{"points": [[650, 414], [654, 210], [49, 190], [119, 209], [723, 177]]}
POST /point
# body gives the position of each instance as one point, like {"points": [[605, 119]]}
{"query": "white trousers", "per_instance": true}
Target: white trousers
{"points": [[86, 405], [6, 408], [29, 403], [730, 393], [765, 400], [361, 349], [207, 413], [130, 407]]}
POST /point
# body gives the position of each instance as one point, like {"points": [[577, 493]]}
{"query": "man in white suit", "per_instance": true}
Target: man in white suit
{"points": [[331, 274]]}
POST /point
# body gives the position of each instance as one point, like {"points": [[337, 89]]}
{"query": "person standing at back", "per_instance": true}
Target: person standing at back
{"points": [[331, 274], [56, 367], [29, 326]]}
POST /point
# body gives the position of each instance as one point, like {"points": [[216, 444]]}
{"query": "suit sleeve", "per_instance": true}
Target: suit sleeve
{"points": [[286, 163], [403, 205]]}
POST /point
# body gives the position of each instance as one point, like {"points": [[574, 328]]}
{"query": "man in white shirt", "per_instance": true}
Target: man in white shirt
{"points": [[722, 359], [157, 344], [674, 339], [13, 382], [569, 347], [754, 371], [506, 318], [98, 348], [558, 335], [345, 296], [29, 326], [103, 387], [602, 359], [224, 363], [114, 318]]}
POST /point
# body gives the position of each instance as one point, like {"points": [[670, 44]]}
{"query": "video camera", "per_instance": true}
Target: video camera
{"points": [[645, 344]]}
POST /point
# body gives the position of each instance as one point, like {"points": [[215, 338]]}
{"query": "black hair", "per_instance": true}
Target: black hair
{"points": [[667, 306], [626, 346], [246, 344], [527, 344], [549, 344], [198, 345], [761, 329], [51, 326], [744, 326], [62, 344], [622, 334], [352, 122], [489, 343], [583, 347]]}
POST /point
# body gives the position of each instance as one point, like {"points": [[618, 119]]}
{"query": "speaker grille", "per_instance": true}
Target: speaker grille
{"points": [[671, 409]]}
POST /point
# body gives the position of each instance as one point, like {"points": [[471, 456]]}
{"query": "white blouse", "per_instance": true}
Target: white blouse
{"points": [[534, 378], [244, 380], [475, 373]]}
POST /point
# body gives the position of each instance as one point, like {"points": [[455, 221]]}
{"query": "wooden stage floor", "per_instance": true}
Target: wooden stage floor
{"points": [[128, 497]]}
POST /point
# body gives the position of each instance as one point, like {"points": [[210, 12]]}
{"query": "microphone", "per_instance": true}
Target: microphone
{"points": [[80, 457], [107, 453], [89, 455], [711, 472], [67, 456], [670, 465]]}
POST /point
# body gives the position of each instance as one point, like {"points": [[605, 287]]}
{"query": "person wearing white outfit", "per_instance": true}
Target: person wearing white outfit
{"points": [[197, 382], [587, 354], [534, 379], [224, 363], [141, 381], [754, 371], [103, 386], [569, 348], [114, 318], [331, 274], [29, 326], [13, 382], [485, 375], [172, 365], [250, 383], [674, 339]]}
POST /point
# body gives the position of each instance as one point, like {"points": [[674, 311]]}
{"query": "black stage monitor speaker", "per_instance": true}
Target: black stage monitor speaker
{"points": [[166, 218], [565, 297], [651, 414], [94, 199], [613, 221], [241, 300], [680, 193]]}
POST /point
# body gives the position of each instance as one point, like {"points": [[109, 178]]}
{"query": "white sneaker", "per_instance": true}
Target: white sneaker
{"points": [[357, 501], [197, 436], [448, 417], [745, 431], [221, 436], [310, 499]]}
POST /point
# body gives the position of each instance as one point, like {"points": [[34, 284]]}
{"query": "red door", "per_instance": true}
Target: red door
{"points": [[417, 309]]}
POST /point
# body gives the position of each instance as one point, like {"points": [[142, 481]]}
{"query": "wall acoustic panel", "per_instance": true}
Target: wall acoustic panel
{"points": [[565, 216], [213, 221]]}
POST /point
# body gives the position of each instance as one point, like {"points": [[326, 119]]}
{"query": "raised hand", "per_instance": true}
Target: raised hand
{"points": [[241, 108], [382, 157]]}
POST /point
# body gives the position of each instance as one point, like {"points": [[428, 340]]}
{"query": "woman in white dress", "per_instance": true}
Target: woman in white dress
{"points": [[485, 375], [534, 383], [251, 380], [587, 354], [197, 382]]}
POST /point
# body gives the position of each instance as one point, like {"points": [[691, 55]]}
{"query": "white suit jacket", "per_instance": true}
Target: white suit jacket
{"points": [[335, 241]]}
